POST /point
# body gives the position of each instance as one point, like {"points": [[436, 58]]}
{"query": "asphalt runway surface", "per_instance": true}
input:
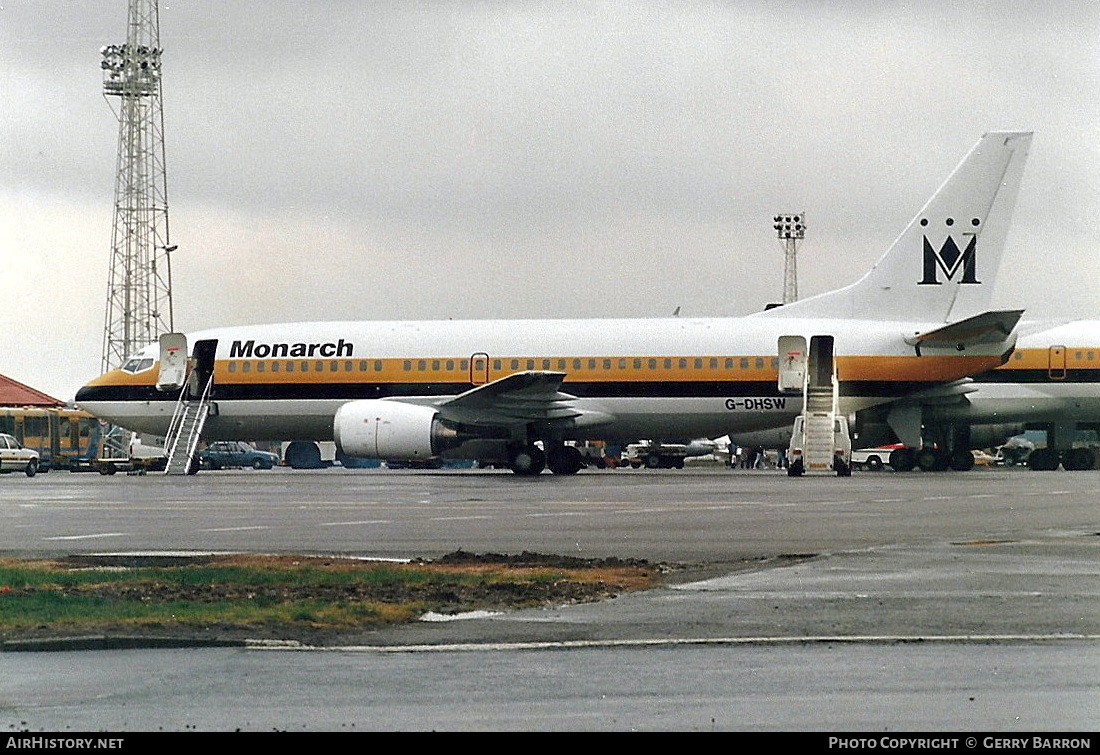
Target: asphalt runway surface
{"points": [[880, 602]]}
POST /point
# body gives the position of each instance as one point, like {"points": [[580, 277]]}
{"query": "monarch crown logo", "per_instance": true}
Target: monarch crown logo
{"points": [[949, 260]]}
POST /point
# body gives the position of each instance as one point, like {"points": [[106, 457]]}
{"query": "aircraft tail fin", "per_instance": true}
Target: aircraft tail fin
{"points": [[944, 264]]}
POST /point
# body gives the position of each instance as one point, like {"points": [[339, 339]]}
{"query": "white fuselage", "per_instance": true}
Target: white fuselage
{"points": [[675, 378]]}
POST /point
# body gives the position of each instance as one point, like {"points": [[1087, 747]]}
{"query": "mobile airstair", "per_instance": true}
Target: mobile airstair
{"points": [[819, 439], [186, 429]]}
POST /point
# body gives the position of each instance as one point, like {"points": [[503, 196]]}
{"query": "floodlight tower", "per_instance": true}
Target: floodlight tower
{"points": [[791, 229], [139, 290]]}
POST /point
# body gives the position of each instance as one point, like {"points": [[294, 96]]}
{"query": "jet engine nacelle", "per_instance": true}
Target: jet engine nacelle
{"points": [[376, 429]]}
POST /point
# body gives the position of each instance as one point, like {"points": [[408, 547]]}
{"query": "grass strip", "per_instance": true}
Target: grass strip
{"points": [[288, 594]]}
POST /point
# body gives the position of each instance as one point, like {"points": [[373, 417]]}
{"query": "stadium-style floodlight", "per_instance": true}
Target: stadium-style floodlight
{"points": [[139, 293], [790, 229]]}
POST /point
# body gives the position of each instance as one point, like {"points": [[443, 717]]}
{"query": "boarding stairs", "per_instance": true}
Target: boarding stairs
{"points": [[185, 430], [819, 411]]}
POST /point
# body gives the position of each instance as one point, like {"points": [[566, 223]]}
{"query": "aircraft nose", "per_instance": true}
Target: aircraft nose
{"points": [[85, 393]]}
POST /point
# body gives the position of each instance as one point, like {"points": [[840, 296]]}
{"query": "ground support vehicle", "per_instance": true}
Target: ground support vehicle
{"points": [[835, 455], [137, 458], [873, 459]]}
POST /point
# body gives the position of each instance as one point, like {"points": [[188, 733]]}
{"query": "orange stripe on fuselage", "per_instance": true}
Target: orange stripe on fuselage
{"points": [[733, 369]]}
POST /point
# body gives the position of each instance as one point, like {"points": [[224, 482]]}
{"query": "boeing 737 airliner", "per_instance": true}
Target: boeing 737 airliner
{"points": [[518, 390]]}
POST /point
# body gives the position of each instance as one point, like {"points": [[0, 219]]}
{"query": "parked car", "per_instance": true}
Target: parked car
{"points": [[15, 458], [235, 453]]}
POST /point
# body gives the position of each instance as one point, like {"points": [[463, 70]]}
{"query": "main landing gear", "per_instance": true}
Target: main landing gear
{"points": [[1072, 460], [931, 459], [531, 460]]}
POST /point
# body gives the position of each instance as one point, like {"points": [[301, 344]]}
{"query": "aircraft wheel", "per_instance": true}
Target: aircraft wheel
{"points": [[903, 459], [1043, 460], [931, 460], [529, 460], [564, 460], [1079, 459], [962, 460], [304, 454]]}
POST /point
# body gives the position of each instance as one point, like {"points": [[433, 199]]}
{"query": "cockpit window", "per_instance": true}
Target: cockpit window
{"points": [[137, 364]]}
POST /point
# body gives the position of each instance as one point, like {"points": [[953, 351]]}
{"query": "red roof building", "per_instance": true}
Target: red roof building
{"points": [[14, 393]]}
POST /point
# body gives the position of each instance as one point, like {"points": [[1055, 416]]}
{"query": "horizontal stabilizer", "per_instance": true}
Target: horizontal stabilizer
{"points": [[988, 327]]}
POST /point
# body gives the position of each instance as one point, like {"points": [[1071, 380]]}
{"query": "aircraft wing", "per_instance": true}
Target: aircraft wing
{"points": [[531, 396], [988, 327], [942, 394]]}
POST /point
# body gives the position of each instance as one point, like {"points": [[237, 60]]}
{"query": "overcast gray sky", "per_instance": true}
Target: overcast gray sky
{"points": [[400, 160]]}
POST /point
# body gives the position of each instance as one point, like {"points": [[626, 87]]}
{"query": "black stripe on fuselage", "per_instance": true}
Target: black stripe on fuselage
{"points": [[1054, 377], [592, 390]]}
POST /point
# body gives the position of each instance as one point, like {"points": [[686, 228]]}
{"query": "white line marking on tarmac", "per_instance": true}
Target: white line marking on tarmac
{"points": [[656, 642], [460, 518], [88, 537], [353, 524], [235, 529]]}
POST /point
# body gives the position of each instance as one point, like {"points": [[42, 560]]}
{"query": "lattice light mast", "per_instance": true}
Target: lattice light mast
{"points": [[791, 229], [139, 291]]}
